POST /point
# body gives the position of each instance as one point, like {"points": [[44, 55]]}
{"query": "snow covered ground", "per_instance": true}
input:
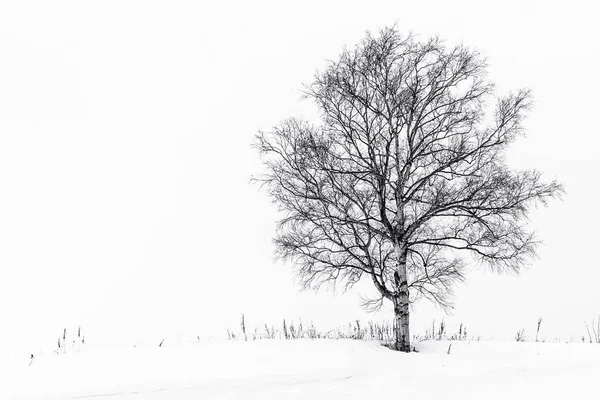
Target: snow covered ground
{"points": [[313, 369]]}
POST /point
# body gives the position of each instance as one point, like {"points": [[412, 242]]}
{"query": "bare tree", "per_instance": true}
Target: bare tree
{"points": [[404, 175]]}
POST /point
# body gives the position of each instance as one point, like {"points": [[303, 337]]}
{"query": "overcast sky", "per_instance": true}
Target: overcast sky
{"points": [[125, 131]]}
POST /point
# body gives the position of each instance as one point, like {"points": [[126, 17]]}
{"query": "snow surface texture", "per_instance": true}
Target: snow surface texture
{"points": [[323, 369]]}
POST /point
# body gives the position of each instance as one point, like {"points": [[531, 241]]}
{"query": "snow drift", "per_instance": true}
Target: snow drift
{"points": [[323, 369]]}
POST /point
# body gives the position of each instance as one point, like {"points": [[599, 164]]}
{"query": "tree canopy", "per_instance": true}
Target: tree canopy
{"points": [[405, 167]]}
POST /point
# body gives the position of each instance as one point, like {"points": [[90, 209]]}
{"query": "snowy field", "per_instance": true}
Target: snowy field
{"points": [[319, 369]]}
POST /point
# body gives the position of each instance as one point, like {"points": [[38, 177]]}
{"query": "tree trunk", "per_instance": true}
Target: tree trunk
{"points": [[401, 319], [401, 307]]}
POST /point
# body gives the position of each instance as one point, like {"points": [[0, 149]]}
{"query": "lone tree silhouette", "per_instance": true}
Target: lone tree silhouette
{"points": [[404, 175]]}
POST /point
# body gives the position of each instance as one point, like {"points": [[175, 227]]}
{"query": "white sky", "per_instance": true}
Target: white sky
{"points": [[125, 131]]}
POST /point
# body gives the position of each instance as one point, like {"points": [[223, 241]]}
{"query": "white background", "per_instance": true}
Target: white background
{"points": [[125, 132]]}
